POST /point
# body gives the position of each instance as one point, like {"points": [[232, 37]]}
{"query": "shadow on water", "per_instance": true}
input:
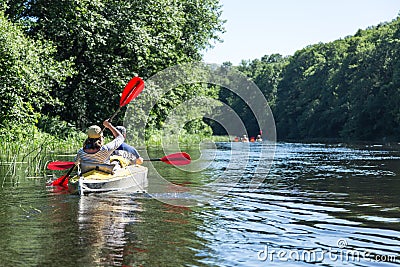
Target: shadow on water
{"points": [[318, 204]]}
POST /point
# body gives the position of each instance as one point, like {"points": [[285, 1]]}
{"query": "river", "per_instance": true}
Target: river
{"points": [[317, 204]]}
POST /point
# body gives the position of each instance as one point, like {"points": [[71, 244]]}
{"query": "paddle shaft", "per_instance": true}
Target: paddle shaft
{"points": [[112, 117], [68, 173], [152, 160], [170, 159], [115, 113], [165, 160]]}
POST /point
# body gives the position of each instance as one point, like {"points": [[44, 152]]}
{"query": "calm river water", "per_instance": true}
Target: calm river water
{"points": [[320, 204]]}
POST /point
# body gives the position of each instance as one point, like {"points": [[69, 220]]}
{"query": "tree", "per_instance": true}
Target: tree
{"points": [[28, 73], [343, 89], [111, 41]]}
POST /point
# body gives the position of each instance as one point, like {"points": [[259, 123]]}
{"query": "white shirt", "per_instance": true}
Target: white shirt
{"points": [[103, 155]]}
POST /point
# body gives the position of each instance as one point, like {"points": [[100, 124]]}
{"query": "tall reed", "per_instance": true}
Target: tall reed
{"points": [[29, 151]]}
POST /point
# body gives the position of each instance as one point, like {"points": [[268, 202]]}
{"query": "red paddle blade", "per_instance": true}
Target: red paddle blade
{"points": [[62, 181], [177, 159], [60, 165], [134, 87]]}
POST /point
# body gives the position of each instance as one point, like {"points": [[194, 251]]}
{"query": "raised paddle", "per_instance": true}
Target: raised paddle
{"points": [[177, 159], [133, 88]]}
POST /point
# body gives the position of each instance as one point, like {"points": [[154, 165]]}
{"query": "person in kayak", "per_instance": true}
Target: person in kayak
{"points": [[94, 152], [126, 150]]}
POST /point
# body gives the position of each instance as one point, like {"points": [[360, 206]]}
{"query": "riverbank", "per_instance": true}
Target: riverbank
{"points": [[34, 148]]}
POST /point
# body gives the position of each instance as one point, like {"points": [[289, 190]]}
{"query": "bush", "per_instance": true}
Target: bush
{"points": [[57, 127]]}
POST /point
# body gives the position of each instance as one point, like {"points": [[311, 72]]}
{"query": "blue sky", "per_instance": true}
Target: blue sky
{"points": [[255, 28]]}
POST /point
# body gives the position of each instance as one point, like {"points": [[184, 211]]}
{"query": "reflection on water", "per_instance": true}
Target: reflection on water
{"points": [[103, 221], [320, 202]]}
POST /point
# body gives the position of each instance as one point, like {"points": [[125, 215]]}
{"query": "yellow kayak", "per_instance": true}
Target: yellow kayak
{"points": [[132, 178]]}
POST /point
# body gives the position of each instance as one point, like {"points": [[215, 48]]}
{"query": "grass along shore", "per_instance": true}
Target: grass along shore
{"points": [[32, 149]]}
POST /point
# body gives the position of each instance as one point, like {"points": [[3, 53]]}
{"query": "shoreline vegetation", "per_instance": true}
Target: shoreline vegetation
{"points": [[64, 65], [34, 148], [31, 150]]}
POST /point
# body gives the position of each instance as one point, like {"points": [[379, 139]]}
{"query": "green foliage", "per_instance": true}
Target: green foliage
{"points": [[346, 89], [56, 127], [174, 109], [158, 138], [266, 74], [28, 73], [111, 41], [27, 150]]}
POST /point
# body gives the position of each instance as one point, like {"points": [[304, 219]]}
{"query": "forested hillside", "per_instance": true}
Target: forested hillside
{"points": [[347, 89]]}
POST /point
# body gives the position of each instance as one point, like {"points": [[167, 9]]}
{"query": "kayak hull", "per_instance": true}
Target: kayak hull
{"points": [[132, 178]]}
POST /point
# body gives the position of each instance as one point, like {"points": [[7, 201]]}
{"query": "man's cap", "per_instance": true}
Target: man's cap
{"points": [[94, 131]]}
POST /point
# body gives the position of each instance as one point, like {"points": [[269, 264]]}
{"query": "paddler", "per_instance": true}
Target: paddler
{"points": [[126, 150], [94, 151]]}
